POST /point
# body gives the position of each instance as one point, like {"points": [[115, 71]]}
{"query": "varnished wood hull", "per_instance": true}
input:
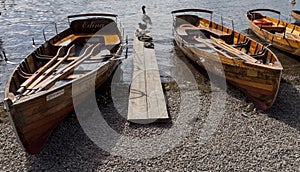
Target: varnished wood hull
{"points": [[287, 39], [262, 91], [35, 116], [258, 81], [296, 15]]}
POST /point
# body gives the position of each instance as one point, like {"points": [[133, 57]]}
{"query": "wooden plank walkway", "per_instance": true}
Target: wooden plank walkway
{"points": [[146, 99]]}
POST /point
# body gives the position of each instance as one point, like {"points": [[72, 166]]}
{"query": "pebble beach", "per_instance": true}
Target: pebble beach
{"points": [[246, 139]]}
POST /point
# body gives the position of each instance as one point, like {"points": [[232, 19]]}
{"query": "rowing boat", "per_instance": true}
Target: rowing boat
{"points": [[40, 91], [247, 64], [296, 15], [280, 34]]}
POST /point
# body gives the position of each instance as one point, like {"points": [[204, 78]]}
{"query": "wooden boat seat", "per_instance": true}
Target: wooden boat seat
{"points": [[274, 29], [238, 55], [193, 30], [111, 39], [292, 36], [207, 33], [73, 76], [77, 74], [218, 33], [241, 45], [260, 56]]}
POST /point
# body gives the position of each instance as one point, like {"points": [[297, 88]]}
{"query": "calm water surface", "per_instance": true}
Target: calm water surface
{"points": [[23, 19]]}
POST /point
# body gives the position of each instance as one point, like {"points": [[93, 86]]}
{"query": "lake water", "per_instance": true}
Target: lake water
{"points": [[23, 19]]}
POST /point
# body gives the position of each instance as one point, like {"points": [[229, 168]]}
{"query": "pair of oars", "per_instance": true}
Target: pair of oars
{"points": [[48, 80], [212, 42], [66, 70], [221, 43], [45, 70]]}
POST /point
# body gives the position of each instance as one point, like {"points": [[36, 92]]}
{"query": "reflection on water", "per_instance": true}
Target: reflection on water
{"points": [[24, 19]]}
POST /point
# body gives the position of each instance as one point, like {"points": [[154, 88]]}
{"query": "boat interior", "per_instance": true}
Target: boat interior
{"points": [[71, 43], [270, 24], [191, 28], [274, 26]]}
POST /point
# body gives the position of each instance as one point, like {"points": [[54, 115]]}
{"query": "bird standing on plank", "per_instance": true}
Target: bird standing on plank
{"points": [[143, 32], [145, 17]]}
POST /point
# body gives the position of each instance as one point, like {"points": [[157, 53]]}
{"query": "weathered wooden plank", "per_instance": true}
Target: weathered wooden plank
{"points": [[146, 99], [156, 100], [137, 106]]}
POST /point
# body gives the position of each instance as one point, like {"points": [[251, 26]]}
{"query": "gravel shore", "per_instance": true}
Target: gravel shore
{"points": [[245, 139]]}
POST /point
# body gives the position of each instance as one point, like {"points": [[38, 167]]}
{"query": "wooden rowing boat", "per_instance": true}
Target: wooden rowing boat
{"points": [[280, 34], [296, 15], [247, 64], [40, 91]]}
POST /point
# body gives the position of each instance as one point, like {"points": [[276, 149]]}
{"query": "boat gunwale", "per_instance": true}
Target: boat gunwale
{"points": [[276, 72], [290, 44], [12, 105], [278, 65]]}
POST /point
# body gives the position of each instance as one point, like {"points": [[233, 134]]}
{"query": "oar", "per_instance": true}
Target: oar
{"points": [[233, 50], [36, 74], [212, 43], [65, 71], [35, 85], [51, 69]]}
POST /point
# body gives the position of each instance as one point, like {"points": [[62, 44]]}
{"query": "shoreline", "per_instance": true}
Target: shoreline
{"points": [[245, 138]]}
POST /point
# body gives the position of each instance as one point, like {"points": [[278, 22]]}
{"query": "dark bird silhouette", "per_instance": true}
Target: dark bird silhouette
{"points": [[293, 2], [145, 17], [3, 56]]}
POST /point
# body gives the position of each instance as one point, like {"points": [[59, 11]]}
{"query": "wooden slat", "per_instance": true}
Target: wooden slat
{"points": [[146, 100]]}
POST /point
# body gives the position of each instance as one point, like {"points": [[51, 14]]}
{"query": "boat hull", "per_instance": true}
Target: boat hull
{"points": [[277, 42], [35, 112], [281, 35], [296, 15], [34, 119], [259, 84], [247, 64]]}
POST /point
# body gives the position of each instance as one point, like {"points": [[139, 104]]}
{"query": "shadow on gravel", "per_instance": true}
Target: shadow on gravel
{"points": [[199, 73], [287, 106], [70, 147], [160, 124]]}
